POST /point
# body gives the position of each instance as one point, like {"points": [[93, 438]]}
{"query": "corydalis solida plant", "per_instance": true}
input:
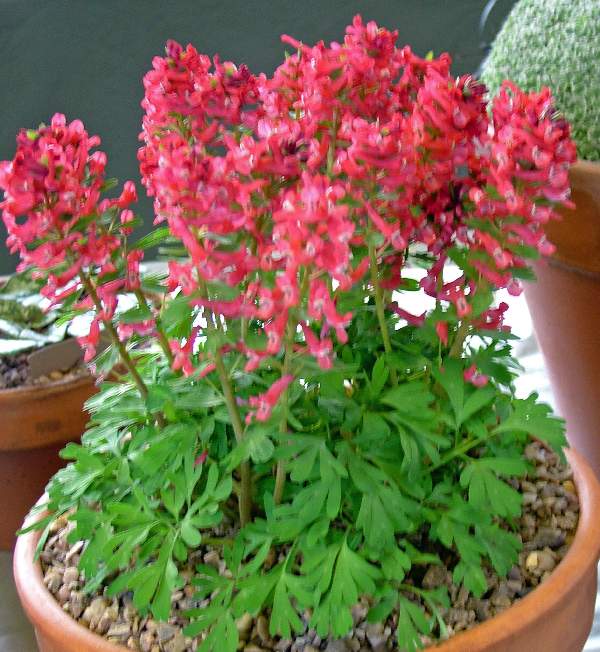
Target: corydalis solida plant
{"points": [[296, 204]]}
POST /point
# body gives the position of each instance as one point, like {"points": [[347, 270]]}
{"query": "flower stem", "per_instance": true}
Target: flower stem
{"points": [[379, 308], [459, 340], [245, 492], [112, 331], [162, 338], [280, 473]]}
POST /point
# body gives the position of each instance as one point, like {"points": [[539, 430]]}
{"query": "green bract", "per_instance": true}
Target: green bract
{"points": [[555, 44]]}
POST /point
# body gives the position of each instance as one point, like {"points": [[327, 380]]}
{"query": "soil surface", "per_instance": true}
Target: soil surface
{"points": [[14, 372], [547, 527]]}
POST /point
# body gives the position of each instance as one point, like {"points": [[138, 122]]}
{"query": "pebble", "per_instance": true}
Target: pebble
{"points": [[244, 625], [338, 645], [262, 628], [165, 632]]}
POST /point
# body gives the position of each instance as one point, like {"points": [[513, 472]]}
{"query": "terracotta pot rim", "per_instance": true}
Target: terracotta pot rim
{"points": [[47, 616], [45, 389]]}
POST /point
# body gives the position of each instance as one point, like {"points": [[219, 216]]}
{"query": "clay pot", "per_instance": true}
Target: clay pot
{"points": [[565, 309], [36, 422], [555, 617]]}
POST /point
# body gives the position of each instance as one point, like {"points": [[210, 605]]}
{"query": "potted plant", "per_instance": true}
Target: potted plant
{"points": [[294, 461], [558, 44], [43, 385]]}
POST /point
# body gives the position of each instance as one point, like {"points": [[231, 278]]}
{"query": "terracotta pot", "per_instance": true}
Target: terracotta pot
{"points": [[565, 309], [36, 422], [556, 617]]}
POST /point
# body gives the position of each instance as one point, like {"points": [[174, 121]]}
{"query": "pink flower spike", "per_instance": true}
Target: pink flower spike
{"points": [[201, 458], [321, 349], [471, 375], [264, 403], [413, 320], [441, 328]]}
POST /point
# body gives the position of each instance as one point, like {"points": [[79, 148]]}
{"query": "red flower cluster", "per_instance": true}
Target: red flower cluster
{"points": [[279, 186], [53, 212], [288, 192]]}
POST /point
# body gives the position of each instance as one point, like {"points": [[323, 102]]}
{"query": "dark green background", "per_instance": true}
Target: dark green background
{"points": [[86, 58]]}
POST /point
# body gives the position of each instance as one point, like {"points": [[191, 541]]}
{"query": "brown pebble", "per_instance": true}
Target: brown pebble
{"points": [[77, 603], [212, 558], [71, 575], [119, 630], [546, 561], [91, 616], [53, 580], [244, 625], [146, 641], [435, 576], [165, 632], [176, 644], [262, 628]]}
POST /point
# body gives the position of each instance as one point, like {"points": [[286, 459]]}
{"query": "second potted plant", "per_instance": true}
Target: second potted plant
{"points": [[43, 386], [558, 44]]}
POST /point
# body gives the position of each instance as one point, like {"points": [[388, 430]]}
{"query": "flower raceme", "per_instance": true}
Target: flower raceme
{"points": [[292, 192], [60, 225], [281, 188]]}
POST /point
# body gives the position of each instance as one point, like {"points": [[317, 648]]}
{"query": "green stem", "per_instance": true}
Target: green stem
{"points": [[459, 340], [379, 308], [162, 338], [245, 493], [465, 447], [283, 426], [112, 331]]}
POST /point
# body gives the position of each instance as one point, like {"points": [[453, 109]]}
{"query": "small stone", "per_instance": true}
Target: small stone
{"points": [[568, 485], [176, 644], [359, 612], [532, 560], [165, 632], [338, 645], [310, 648], [244, 625], [375, 634], [71, 575], [77, 603], [253, 648], [262, 628], [435, 576], [56, 375], [546, 561], [119, 630], [146, 641], [109, 616], [63, 595], [212, 558], [549, 537], [132, 644], [283, 645], [53, 580], [91, 616]]}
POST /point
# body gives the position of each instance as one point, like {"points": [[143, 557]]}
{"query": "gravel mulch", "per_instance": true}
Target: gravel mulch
{"points": [[547, 527], [14, 372]]}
